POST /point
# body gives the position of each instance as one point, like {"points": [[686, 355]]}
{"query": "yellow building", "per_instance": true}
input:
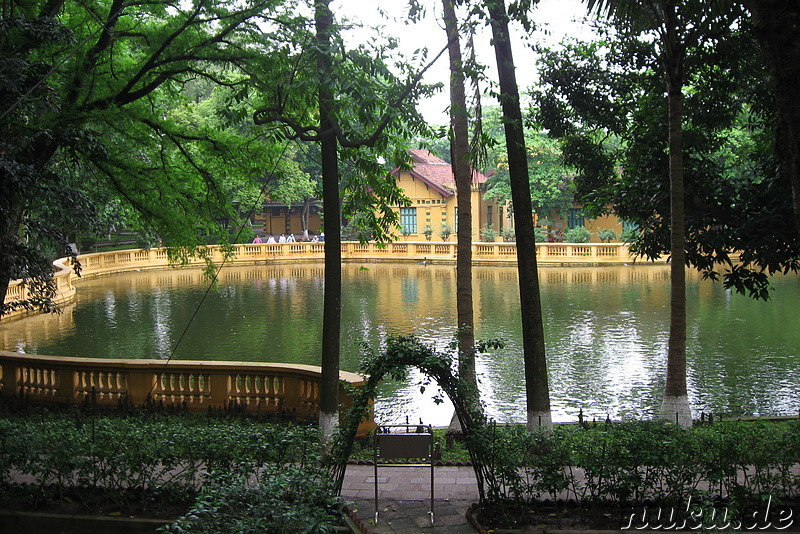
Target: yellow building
{"points": [[558, 224], [431, 187], [278, 218]]}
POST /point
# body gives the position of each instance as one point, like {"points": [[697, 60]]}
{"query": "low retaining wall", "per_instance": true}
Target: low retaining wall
{"points": [[196, 386]]}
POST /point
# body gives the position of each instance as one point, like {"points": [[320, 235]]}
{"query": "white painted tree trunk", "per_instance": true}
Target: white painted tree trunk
{"points": [[677, 410], [328, 425], [539, 420], [455, 425]]}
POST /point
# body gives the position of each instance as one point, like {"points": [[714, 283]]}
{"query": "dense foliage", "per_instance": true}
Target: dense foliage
{"points": [[616, 475], [140, 461], [636, 461], [110, 115], [552, 190], [279, 499], [605, 102]]}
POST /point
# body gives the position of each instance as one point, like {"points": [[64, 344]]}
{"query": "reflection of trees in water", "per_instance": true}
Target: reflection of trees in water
{"points": [[606, 330], [747, 360]]}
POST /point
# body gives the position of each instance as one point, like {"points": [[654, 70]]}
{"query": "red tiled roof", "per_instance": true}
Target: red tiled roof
{"points": [[436, 172]]}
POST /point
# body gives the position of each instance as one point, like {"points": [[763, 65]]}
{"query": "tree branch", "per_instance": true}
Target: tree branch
{"points": [[267, 115], [387, 117]]}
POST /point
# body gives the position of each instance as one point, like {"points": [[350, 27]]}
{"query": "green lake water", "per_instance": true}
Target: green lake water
{"points": [[606, 332]]}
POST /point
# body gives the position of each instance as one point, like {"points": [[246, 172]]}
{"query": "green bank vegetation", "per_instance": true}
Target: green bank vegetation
{"points": [[239, 470]]}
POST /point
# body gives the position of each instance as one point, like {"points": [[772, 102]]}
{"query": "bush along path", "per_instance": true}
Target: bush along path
{"points": [[211, 469], [604, 471]]}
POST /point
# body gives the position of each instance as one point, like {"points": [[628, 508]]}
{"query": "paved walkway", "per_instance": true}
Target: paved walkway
{"points": [[404, 498]]}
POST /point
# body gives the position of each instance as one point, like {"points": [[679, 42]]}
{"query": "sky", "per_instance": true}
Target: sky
{"points": [[559, 17]]}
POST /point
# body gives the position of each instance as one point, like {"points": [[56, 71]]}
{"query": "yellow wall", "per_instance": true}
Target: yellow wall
{"points": [[435, 209], [277, 224], [602, 223], [593, 225]]}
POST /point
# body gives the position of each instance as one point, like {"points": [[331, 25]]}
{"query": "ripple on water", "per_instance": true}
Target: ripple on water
{"points": [[605, 332]]}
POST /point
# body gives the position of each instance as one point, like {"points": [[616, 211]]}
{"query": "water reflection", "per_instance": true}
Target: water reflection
{"points": [[606, 332]]}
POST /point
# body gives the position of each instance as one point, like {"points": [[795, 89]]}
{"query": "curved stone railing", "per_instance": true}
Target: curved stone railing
{"points": [[65, 291], [200, 384], [482, 254], [196, 386]]}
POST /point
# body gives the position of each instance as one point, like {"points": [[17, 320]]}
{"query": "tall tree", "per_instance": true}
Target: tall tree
{"points": [[552, 189], [676, 398], [604, 102], [677, 25], [365, 113], [536, 382], [462, 171], [332, 299]]}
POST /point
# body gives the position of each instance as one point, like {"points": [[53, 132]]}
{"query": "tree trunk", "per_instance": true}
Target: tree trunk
{"points": [[304, 216], [9, 234], [332, 300], [463, 177], [777, 27], [675, 405], [536, 383]]}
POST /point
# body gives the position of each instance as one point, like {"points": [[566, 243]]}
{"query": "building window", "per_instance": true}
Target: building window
{"points": [[575, 218], [408, 220], [489, 216]]}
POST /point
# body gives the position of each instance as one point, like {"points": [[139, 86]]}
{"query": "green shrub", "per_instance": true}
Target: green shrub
{"points": [[607, 234], [276, 500], [150, 455], [577, 235], [637, 461], [629, 235], [488, 233], [539, 235]]}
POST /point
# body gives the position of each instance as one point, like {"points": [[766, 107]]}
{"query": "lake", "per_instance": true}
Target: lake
{"points": [[606, 332]]}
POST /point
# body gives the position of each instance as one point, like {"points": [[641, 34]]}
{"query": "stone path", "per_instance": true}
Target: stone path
{"points": [[404, 498]]}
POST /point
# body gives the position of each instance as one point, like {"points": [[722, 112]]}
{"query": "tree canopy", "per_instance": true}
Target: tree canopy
{"points": [[605, 102], [551, 184], [100, 108]]}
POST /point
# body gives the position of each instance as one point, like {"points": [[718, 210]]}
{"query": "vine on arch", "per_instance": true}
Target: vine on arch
{"points": [[401, 353]]}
